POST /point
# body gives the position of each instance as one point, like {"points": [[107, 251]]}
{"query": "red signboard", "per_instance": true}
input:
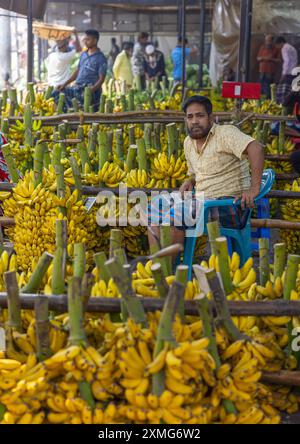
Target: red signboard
{"points": [[238, 90]]}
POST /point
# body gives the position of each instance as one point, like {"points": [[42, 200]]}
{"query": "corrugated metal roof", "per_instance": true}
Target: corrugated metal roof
{"points": [[38, 7]]}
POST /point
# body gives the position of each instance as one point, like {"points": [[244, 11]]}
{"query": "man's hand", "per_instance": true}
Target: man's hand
{"points": [[60, 87], [188, 185], [247, 199]]}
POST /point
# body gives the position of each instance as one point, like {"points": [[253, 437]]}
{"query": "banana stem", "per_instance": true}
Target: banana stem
{"points": [[48, 92], [160, 281], [165, 240], [138, 83], [123, 103], [13, 101], [222, 306], [279, 259], [103, 148], [13, 300], [79, 260], [213, 230], [165, 332], [157, 135], [110, 139], [36, 279], [9, 159], [131, 106], [171, 128], [92, 138], [102, 103], [30, 89], [290, 279], [28, 140], [75, 104], [264, 261], [60, 104], [41, 310], [148, 136], [281, 136], [4, 126], [46, 157], [131, 158], [77, 176], [38, 163], [87, 99], [123, 282], [86, 288], [75, 307], [120, 254], [84, 156], [60, 258], [62, 131], [142, 155], [182, 277], [4, 98], [109, 106], [100, 259], [131, 135], [116, 239], [209, 332], [222, 254], [119, 144]]}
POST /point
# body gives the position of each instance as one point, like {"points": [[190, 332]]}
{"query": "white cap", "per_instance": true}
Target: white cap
{"points": [[150, 49]]}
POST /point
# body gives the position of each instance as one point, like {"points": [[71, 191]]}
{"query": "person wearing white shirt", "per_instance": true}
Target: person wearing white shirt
{"points": [[289, 62], [59, 62]]}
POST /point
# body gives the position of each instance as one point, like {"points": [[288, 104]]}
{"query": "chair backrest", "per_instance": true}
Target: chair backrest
{"points": [[268, 178]]}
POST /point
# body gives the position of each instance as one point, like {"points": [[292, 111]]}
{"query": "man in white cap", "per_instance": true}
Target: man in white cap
{"points": [[154, 64]]}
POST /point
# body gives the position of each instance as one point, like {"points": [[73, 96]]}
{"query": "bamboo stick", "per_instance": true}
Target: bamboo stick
{"points": [[120, 254], [28, 140], [171, 127], [264, 261], [62, 131], [75, 307], [36, 279], [131, 105], [75, 104], [58, 303], [102, 104], [147, 136], [41, 310], [84, 157], [13, 300], [131, 135]]}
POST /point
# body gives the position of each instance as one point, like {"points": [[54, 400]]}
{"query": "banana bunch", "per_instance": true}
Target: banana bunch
{"points": [[273, 147], [103, 289], [110, 175], [170, 170], [290, 210], [139, 179], [43, 106]]}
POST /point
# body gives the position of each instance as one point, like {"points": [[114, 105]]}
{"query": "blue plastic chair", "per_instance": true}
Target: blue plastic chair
{"points": [[240, 239]]}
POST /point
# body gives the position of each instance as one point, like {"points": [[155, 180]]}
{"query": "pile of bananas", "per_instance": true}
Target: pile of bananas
{"points": [[35, 211], [290, 210]]}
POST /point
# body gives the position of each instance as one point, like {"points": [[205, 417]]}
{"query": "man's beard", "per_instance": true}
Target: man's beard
{"points": [[198, 132]]}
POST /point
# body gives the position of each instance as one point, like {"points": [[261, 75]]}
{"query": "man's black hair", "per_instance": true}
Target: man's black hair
{"points": [[204, 101], [93, 33], [127, 45], [180, 40], [279, 40]]}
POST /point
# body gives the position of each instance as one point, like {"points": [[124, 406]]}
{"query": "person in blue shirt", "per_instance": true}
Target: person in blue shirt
{"points": [[177, 58], [91, 72]]}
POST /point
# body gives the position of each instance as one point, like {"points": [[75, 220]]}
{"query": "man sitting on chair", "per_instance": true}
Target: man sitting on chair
{"points": [[217, 157]]}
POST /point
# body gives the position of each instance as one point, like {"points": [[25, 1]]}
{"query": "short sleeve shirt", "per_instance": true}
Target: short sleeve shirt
{"points": [[177, 61], [91, 67], [221, 168]]}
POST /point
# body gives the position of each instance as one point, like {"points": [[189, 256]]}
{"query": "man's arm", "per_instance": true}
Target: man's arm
{"points": [[78, 47], [98, 84], [71, 79], [255, 154]]}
